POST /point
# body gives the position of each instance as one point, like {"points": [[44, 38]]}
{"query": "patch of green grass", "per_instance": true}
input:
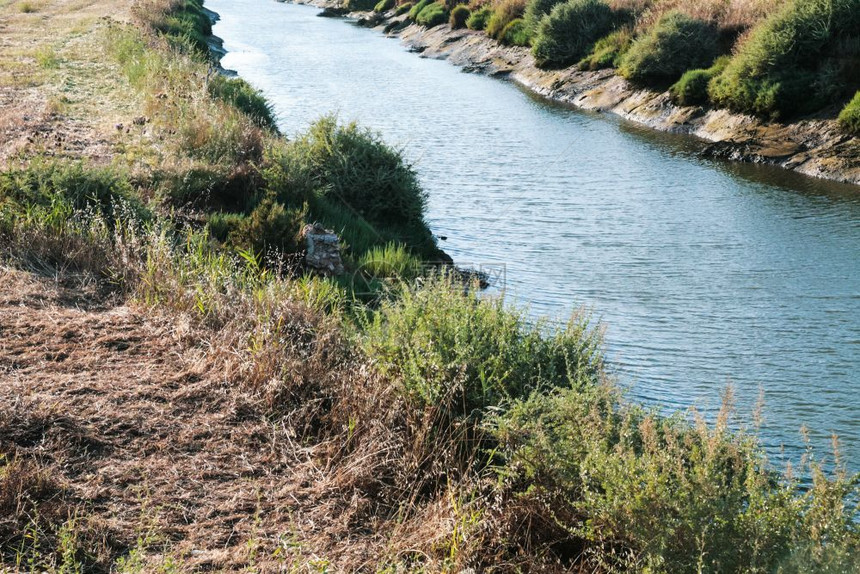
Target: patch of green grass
{"points": [[504, 12], [418, 7], [403, 8], [849, 118], [241, 95], [479, 18], [676, 43], [536, 10], [384, 5], [46, 57], [692, 88], [569, 31], [27, 8], [795, 61]]}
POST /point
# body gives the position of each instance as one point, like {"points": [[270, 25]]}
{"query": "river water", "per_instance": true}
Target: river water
{"points": [[705, 274]]}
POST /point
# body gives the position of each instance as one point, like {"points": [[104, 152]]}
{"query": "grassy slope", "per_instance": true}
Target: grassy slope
{"points": [[172, 406]]}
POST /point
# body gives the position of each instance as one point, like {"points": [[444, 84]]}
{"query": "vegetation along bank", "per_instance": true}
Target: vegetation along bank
{"points": [[181, 393], [764, 81]]}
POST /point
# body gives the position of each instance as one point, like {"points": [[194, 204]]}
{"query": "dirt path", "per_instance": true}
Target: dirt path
{"points": [[121, 410]]}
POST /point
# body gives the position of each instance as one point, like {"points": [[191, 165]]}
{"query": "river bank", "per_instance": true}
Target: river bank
{"points": [[814, 146]]}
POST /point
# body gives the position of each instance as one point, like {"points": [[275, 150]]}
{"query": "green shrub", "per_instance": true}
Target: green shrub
{"points": [[849, 119], [692, 88], [479, 18], [608, 51], [351, 166], [384, 5], [417, 8], [185, 24], [503, 14], [794, 61], [432, 15], [566, 35], [645, 493], [240, 94], [676, 43], [451, 4], [536, 10], [459, 15], [360, 5], [270, 226], [457, 353], [389, 261], [403, 8], [516, 33]]}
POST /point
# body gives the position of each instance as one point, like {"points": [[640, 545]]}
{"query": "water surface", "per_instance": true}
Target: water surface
{"points": [[704, 273]]}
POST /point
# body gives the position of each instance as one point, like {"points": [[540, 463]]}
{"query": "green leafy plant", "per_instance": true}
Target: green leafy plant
{"points": [[479, 18], [516, 33], [608, 51], [459, 16], [433, 14], [692, 88], [568, 32]]}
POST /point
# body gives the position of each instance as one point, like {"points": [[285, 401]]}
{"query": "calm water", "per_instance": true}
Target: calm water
{"points": [[704, 273]]}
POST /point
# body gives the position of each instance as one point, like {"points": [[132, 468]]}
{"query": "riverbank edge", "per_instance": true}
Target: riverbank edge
{"points": [[815, 146]]}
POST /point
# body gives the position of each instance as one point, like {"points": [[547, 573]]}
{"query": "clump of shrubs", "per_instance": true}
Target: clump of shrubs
{"points": [[503, 14], [536, 10], [608, 51], [849, 119], [459, 16], [240, 94], [566, 35], [794, 61], [418, 7], [384, 5], [403, 8], [479, 18], [692, 88], [516, 33], [432, 14], [675, 44]]}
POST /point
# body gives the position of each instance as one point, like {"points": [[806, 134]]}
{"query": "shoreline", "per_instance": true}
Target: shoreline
{"points": [[814, 147]]}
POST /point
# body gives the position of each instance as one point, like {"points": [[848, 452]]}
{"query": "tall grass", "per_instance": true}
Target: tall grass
{"points": [[569, 31], [849, 118]]}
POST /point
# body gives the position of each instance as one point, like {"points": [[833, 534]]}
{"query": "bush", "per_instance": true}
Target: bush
{"points": [[384, 5], [644, 493], [503, 14], [568, 32], [417, 8], [536, 10], [270, 226], [351, 166], [432, 15], [459, 15], [360, 5], [849, 119], [608, 51], [676, 43], [692, 88], [403, 8], [451, 4], [457, 353], [241, 95], [479, 18], [516, 33], [794, 61]]}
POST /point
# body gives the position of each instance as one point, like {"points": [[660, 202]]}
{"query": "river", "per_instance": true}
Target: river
{"points": [[704, 273]]}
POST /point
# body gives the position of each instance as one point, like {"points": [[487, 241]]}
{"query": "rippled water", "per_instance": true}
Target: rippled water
{"points": [[704, 273]]}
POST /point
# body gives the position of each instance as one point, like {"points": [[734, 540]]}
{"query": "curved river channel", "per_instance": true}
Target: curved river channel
{"points": [[704, 273]]}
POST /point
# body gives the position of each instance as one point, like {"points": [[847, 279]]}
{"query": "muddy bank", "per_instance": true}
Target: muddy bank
{"points": [[815, 146]]}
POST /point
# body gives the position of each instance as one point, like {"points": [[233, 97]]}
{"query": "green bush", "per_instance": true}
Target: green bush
{"points": [[403, 8], [451, 4], [270, 226], [536, 10], [849, 119], [479, 18], [240, 94], [360, 5], [351, 166], [676, 43], [384, 5], [417, 8], [566, 35], [186, 24], [432, 15], [608, 51], [459, 15], [454, 352], [516, 33], [644, 493], [503, 14], [795, 61], [692, 88]]}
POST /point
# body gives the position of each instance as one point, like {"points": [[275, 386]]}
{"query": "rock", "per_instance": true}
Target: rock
{"points": [[331, 12], [323, 250]]}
